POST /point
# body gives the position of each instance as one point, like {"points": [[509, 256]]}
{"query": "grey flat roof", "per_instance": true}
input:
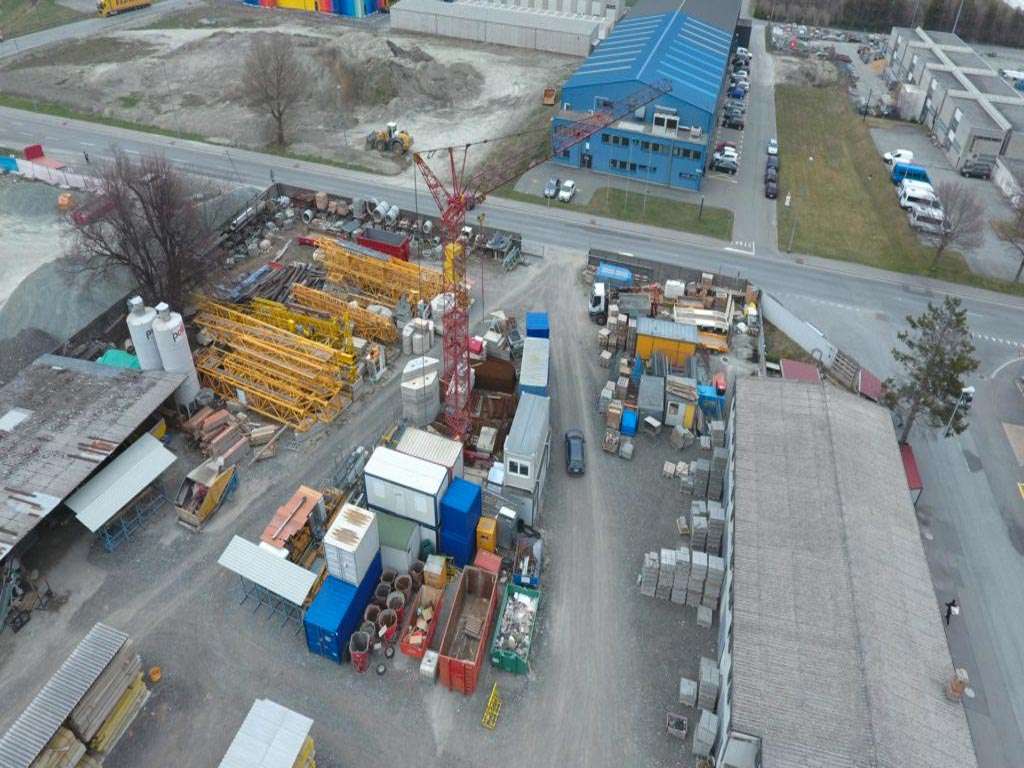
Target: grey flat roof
{"points": [[839, 658], [718, 13], [946, 80], [967, 60], [34, 728], [944, 38], [1014, 113], [68, 402], [511, 16], [994, 85]]}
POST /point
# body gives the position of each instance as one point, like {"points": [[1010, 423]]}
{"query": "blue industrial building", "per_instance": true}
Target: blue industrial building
{"points": [[687, 43]]}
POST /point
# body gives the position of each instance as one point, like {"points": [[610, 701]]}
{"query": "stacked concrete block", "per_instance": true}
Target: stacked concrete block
{"points": [[704, 616], [716, 478], [705, 442], [698, 573], [706, 733], [682, 576], [626, 449], [687, 692], [702, 472], [421, 399], [716, 527], [621, 387], [718, 434], [680, 437], [666, 574], [649, 575], [606, 397], [699, 525], [713, 582], [709, 681]]}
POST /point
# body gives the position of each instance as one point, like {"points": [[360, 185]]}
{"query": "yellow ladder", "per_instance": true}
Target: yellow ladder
{"points": [[492, 710]]}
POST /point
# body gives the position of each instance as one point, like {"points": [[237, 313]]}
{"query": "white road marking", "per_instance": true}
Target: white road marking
{"points": [[738, 250], [999, 369]]}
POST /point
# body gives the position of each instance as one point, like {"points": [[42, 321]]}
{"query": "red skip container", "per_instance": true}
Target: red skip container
{"points": [[466, 635]]}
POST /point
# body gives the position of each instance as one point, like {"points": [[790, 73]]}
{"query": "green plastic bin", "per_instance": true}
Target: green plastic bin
{"points": [[505, 659]]}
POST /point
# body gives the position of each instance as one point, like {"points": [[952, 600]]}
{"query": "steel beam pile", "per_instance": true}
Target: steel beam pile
{"points": [[280, 374], [385, 280], [364, 322]]}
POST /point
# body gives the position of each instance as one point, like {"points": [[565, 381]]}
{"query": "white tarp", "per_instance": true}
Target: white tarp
{"points": [[106, 494]]}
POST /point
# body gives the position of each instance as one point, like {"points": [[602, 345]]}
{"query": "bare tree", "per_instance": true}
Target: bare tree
{"points": [[147, 220], [964, 222], [1011, 231], [274, 80]]}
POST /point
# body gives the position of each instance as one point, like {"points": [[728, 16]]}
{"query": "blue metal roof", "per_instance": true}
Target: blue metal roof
{"points": [[690, 53]]}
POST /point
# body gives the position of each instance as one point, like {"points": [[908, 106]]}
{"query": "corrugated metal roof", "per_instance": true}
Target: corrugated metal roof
{"points": [[120, 481], [34, 728], [285, 579], [666, 329], [799, 371], [271, 736], [688, 50], [530, 425], [830, 582], [430, 447], [511, 16], [419, 474], [536, 362]]}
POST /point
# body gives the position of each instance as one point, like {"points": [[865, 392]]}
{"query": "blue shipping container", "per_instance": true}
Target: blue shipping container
{"points": [[629, 420], [9, 164], [337, 611], [461, 549], [538, 325], [460, 508], [613, 275]]}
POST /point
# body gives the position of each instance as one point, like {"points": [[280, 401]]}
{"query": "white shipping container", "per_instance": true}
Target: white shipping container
{"points": [[405, 486], [433, 448], [351, 543]]}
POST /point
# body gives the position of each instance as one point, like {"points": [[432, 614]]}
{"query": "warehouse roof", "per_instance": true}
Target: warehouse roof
{"points": [[685, 43], [47, 412], [34, 728], [831, 585]]}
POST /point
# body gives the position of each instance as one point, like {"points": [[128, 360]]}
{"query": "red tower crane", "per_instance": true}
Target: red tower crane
{"points": [[461, 194]]}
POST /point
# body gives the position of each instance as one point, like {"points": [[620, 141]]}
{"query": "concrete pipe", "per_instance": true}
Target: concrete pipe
{"points": [[403, 584], [371, 613], [388, 576], [380, 595], [387, 625]]}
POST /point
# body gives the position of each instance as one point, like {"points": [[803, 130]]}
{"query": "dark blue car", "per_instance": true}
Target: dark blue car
{"points": [[739, 92]]}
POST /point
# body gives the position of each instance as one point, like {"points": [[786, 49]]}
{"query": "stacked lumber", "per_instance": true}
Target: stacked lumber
{"points": [[219, 434], [62, 751], [121, 717], [111, 703]]}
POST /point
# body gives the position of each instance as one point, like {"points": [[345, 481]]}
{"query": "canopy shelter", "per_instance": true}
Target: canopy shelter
{"points": [[268, 578]]}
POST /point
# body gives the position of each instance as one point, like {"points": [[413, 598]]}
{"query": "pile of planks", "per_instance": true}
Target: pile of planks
{"points": [[218, 434], [110, 705]]}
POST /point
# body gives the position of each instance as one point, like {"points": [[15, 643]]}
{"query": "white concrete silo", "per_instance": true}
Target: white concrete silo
{"points": [[171, 340], [140, 328]]}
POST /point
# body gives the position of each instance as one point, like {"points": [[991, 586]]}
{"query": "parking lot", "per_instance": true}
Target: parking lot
{"points": [[994, 257], [605, 667]]}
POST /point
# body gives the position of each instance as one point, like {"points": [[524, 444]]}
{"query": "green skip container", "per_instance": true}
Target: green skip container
{"points": [[516, 621]]}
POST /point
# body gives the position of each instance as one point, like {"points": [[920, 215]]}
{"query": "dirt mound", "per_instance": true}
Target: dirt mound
{"points": [[790, 70], [16, 353]]}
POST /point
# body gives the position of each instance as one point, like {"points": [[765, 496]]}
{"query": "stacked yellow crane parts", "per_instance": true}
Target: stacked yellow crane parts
{"points": [[334, 331], [280, 374], [365, 323], [384, 280]]}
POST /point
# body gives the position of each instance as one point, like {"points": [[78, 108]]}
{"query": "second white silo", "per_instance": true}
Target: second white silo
{"points": [[140, 328], [171, 340]]}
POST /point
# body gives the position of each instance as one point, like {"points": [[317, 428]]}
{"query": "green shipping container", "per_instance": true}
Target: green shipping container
{"points": [[506, 659]]}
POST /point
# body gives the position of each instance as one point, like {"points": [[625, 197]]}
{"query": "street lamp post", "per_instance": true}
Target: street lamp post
{"points": [[966, 396]]}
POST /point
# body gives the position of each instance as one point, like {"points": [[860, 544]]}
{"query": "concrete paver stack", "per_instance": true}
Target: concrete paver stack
{"points": [[705, 734], [716, 527], [666, 575], [649, 574], [716, 476], [682, 576], [708, 684], [698, 573]]}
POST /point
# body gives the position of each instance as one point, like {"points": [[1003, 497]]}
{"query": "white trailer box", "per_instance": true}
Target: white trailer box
{"points": [[351, 543], [433, 448], [405, 486]]}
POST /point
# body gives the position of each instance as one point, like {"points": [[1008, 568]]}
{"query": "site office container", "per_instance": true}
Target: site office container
{"points": [[336, 613], [535, 370], [406, 486], [392, 243], [461, 656], [352, 543]]}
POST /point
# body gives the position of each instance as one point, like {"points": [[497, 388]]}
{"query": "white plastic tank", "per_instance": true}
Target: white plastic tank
{"points": [[140, 328], [171, 340]]}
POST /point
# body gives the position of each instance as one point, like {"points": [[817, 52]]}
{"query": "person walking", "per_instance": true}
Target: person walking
{"points": [[86, 157], [952, 609]]}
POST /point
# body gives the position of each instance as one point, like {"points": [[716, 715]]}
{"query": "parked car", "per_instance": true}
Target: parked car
{"points": [[976, 170], [772, 162], [738, 92], [551, 188], [736, 104], [725, 165], [898, 156], [771, 174], [723, 144], [773, 147], [727, 152], [741, 51], [771, 189], [741, 74], [733, 121], [575, 458], [568, 191]]}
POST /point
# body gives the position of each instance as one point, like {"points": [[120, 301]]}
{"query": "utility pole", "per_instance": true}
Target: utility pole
{"points": [[966, 396], [957, 19]]}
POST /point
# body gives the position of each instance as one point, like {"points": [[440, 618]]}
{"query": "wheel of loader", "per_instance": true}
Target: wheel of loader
{"points": [[397, 147], [381, 145]]}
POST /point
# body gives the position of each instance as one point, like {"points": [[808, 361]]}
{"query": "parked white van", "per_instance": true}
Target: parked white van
{"points": [[926, 219], [924, 198]]}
